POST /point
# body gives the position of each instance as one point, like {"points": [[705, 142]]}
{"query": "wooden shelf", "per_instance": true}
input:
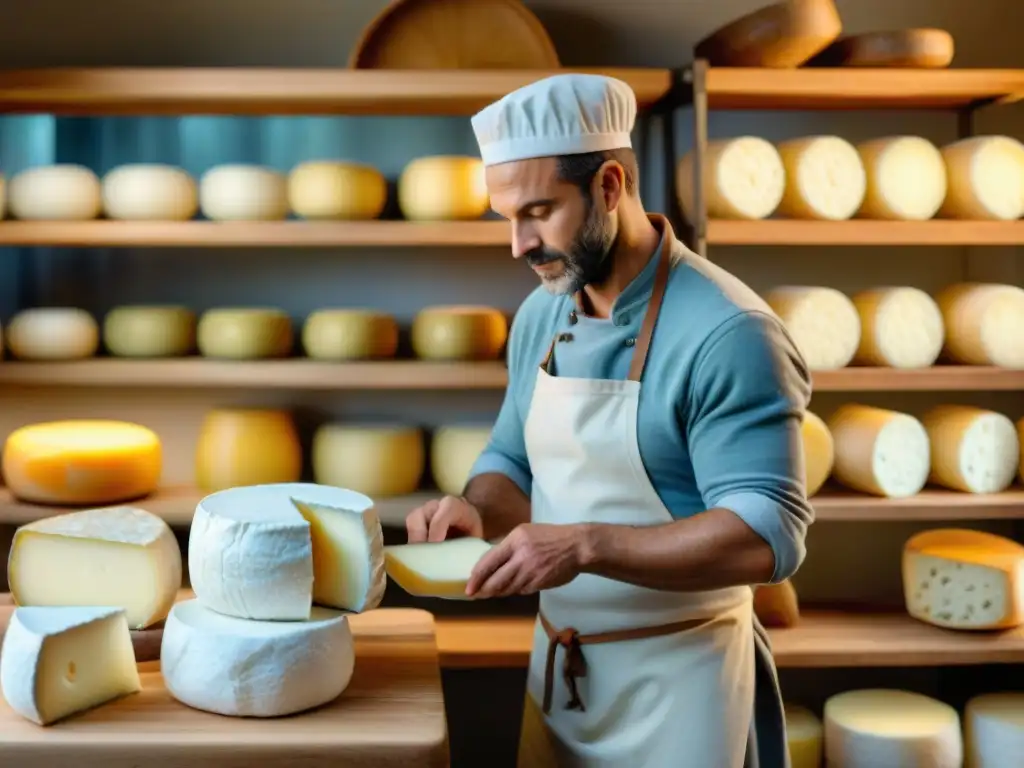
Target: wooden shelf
{"points": [[939, 378], [258, 91], [935, 232], [853, 88]]}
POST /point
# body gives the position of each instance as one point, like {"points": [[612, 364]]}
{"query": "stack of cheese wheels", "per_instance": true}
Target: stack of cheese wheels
{"points": [[823, 322], [443, 188], [875, 727], [454, 450], [350, 334], [243, 193], [819, 452], [82, 462], [380, 460], [906, 178], [149, 192], [994, 729], [983, 322], [274, 568], [900, 328], [986, 179], [245, 333], [459, 333], [964, 579], [804, 737], [53, 333], [63, 192], [972, 449], [878, 451], [825, 178], [247, 446], [743, 178], [336, 190], [153, 331]]}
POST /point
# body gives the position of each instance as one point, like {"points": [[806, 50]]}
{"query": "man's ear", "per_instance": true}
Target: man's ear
{"points": [[609, 184]]}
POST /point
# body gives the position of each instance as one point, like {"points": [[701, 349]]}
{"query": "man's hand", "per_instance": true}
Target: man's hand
{"points": [[532, 557], [436, 519]]}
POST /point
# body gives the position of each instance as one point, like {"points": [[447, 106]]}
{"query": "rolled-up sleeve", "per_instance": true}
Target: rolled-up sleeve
{"points": [[748, 396]]}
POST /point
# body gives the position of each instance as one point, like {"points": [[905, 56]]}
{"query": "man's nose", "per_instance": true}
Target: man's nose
{"points": [[523, 242]]}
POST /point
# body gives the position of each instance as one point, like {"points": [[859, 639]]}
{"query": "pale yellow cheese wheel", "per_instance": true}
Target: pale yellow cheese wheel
{"points": [[825, 178], [350, 334], [246, 333], [63, 192], [454, 450], [804, 737], [822, 321], [906, 178], [243, 193], [336, 190], [149, 192], [245, 446], [986, 179], [819, 452], [443, 187], [973, 450], [878, 451], [459, 333], [983, 324], [378, 460], [149, 331], [53, 333], [900, 328], [743, 179], [1020, 440]]}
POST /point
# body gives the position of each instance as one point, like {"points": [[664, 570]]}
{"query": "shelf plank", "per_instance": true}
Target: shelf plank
{"points": [[940, 378], [261, 91], [935, 232]]}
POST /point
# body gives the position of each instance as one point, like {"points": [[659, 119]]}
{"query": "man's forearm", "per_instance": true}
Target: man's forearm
{"points": [[502, 504]]}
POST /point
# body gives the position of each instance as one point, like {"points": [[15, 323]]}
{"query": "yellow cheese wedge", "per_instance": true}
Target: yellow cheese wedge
{"points": [[986, 178], [822, 321], [443, 188], [435, 569], [245, 334], [906, 178], [982, 322], [900, 328], [743, 179], [825, 178], [878, 451], [62, 192], [994, 729], [237, 192], [459, 333], [453, 452], [973, 450], [378, 460], [819, 452], [149, 331], [247, 446], [804, 737], [149, 192], [336, 190], [350, 334], [53, 333]]}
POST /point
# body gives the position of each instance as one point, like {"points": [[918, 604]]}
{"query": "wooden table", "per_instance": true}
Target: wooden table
{"points": [[392, 714]]}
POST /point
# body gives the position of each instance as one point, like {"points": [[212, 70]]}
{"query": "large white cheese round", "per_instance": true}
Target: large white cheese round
{"points": [[443, 188], [63, 192], [819, 452], [243, 193], [376, 459], [983, 322], [986, 178], [459, 333], [878, 451], [149, 192], [823, 323], [337, 190], [743, 179], [350, 334], [804, 737], [825, 178], [247, 446], [973, 450], [154, 331], [247, 333], [994, 729], [453, 452], [244, 668], [900, 328], [53, 333], [906, 178]]}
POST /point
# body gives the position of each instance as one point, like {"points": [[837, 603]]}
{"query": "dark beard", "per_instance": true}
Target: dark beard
{"points": [[588, 260]]}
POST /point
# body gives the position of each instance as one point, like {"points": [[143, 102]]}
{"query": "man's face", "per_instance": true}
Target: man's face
{"points": [[564, 234]]}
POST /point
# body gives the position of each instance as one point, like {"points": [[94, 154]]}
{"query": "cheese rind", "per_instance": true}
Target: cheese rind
{"points": [[62, 192], [149, 192], [983, 322], [906, 178], [56, 662], [243, 193], [825, 178], [435, 569], [241, 668], [819, 452], [878, 451], [53, 333], [901, 327], [332, 190], [743, 179], [459, 333], [994, 730], [823, 322], [247, 333], [986, 178], [376, 459], [973, 450], [453, 452], [964, 579], [350, 334], [804, 737], [443, 187], [247, 446], [154, 331]]}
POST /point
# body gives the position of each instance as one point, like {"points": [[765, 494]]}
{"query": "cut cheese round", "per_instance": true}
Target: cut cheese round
{"points": [[247, 446], [900, 328], [880, 452], [983, 322], [149, 331], [822, 321], [269, 552], [243, 193], [973, 450], [453, 452], [986, 178], [825, 178], [55, 193], [337, 190], [378, 460], [964, 579], [245, 334], [743, 179], [435, 569], [243, 668], [804, 737], [149, 192], [906, 178], [118, 556], [994, 729], [53, 333], [819, 452], [350, 334], [459, 333], [82, 462], [875, 727], [443, 188]]}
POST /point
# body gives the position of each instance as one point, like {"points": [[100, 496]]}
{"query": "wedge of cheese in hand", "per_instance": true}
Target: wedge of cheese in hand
{"points": [[900, 328], [58, 661], [743, 178], [435, 569], [117, 556], [257, 552], [994, 730], [964, 579], [819, 452], [804, 737], [823, 322], [973, 450], [881, 452]]}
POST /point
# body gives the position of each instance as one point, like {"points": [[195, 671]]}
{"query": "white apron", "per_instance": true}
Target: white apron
{"points": [[681, 693]]}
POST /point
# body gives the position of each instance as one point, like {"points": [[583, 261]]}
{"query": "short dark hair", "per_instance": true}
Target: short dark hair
{"points": [[580, 170]]}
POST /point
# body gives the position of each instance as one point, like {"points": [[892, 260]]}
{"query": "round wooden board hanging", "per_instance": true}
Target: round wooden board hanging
{"points": [[455, 34]]}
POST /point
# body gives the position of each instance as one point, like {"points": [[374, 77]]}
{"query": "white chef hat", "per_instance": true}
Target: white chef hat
{"points": [[561, 115]]}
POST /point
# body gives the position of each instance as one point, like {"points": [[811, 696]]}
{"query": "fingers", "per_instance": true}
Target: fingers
{"points": [[418, 521], [487, 566], [503, 582], [450, 513]]}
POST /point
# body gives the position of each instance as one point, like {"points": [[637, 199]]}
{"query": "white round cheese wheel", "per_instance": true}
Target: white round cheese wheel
{"points": [[986, 178], [453, 452], [442, 188], [876, 727], [983, 322], [973, 450], [53, 333], [804, 738], [878, 451], [376, 459], [819, 452], [154, 331], [823, 322], [1020, 440], [350, 334], [63, 192], [337, 190], [743, 179], [906, 178], [149, 192], [900, 328], [459, 333], [247, 333], [247, 446], [243, 193], [242, 668], [825, 178], [994, 729]]}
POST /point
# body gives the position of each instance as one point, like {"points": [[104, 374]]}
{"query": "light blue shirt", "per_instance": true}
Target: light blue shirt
{"points": [[722, 398]]}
